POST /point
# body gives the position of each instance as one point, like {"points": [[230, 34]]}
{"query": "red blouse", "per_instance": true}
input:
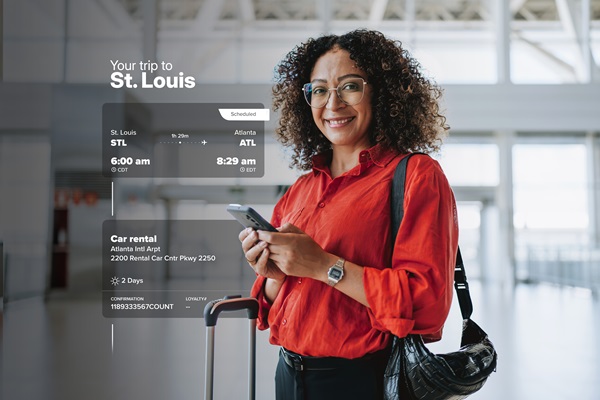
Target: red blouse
{"points": [[349, 216]]}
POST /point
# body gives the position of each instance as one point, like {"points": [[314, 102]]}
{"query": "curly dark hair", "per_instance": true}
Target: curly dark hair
{"points": [[406, 114]]}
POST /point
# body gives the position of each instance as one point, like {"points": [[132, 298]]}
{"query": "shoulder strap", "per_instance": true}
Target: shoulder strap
{"points": [[460, 276]]}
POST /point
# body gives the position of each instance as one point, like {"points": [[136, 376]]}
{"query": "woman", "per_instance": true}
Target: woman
{"points": [[331, 284]]}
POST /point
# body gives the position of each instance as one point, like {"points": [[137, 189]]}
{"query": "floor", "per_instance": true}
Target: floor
{"points": [[547, 339]]}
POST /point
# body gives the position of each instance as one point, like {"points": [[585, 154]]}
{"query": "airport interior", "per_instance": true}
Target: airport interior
{"points": [[521, 93]]}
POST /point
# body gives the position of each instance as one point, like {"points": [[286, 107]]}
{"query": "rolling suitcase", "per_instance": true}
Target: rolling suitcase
{"points": [[211, 315]]}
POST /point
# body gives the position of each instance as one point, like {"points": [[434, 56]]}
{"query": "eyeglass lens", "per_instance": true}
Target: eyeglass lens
{"points": [[349, 91]]}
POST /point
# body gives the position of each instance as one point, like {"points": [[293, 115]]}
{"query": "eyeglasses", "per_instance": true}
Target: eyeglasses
{"points": [[350, 92]]}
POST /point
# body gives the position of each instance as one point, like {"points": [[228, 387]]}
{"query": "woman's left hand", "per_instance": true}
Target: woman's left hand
{"points": [[296, 253]]}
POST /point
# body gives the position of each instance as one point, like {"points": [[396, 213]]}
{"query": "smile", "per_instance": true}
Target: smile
{"points": [[336, 123]]}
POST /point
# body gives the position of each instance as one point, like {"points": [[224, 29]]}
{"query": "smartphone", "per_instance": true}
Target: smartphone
{"points": [[248, 217]]}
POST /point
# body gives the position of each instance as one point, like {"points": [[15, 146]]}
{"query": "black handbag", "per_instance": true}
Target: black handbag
{"points": [[414, 372]]}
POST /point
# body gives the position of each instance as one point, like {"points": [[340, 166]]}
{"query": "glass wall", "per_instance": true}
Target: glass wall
{"points": [[552, 214], [550, 203]]}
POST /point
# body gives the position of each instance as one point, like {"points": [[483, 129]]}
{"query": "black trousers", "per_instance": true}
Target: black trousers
{"points": [[309, 378]]}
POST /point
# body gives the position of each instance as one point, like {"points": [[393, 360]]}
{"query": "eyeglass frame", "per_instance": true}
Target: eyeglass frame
{"points": [[336, 90]]}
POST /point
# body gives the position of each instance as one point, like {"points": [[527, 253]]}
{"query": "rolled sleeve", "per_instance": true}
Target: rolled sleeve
{"points": [[258, 292], [386, 312]]}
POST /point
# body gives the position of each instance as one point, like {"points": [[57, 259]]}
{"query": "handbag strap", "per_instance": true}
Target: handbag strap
{"points": [[460, 276]]}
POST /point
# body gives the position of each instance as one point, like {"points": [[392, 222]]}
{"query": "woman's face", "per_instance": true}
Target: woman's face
{"points": [[342, 124]]}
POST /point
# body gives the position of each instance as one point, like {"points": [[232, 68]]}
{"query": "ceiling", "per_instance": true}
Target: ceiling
{"points": [[440, 11]]}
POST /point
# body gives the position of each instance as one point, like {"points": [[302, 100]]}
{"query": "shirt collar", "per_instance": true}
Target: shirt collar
{"points": [[377, 155]]}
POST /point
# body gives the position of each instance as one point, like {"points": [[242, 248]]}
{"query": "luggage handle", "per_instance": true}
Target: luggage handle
{"points": [[211, 315], [230, 303]]}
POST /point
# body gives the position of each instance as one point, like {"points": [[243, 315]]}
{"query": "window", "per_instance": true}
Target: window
{"points": [[550, 191], [458, 161]]}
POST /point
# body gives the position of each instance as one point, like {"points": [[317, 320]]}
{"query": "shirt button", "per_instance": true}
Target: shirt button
{"points": [[284, 321], [300, 281], [321, 205]]}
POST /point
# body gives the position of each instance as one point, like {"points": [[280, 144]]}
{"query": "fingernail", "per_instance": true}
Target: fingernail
{"points": [[262, 244]]}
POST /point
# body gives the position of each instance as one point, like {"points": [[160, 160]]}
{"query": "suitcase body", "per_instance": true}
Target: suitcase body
{"points": [[211, 316]]}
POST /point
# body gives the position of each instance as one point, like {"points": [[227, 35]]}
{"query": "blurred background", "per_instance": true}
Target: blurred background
{"points": [[522, 97]]}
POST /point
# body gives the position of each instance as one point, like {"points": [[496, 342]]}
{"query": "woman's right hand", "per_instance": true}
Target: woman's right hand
{"points": [[257, 255]]}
